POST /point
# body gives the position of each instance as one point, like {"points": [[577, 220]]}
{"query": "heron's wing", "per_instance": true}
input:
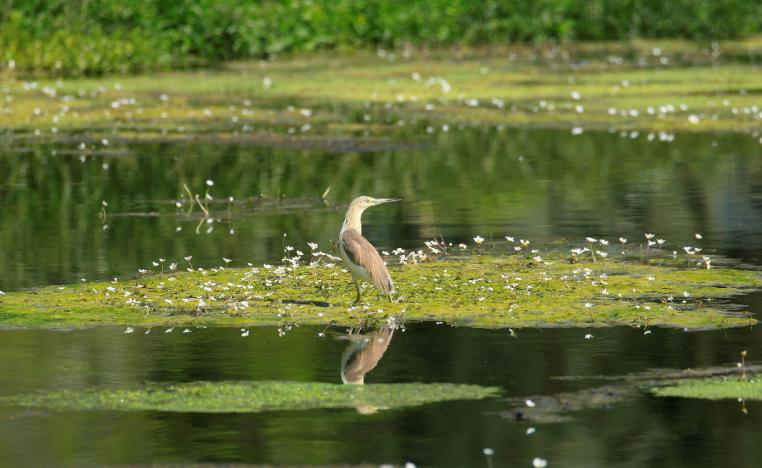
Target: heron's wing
{"points": [[361, 252]]}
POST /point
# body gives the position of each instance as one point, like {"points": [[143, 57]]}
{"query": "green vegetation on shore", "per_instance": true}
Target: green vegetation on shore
{"points": [[106, 36], [479, 290]]}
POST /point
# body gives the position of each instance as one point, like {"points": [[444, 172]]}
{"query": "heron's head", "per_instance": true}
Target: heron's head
{"points": [[364, 202]]}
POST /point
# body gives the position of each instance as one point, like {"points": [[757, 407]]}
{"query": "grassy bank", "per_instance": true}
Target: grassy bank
{"points": [[107, 36], [314, 100]]}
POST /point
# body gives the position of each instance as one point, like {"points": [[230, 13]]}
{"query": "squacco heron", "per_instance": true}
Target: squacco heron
{"points": [[362, 259]]}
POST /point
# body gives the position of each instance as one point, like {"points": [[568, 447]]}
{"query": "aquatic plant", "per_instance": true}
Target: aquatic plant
{"points": [[251, 397], [716, 388], [482, 290]]}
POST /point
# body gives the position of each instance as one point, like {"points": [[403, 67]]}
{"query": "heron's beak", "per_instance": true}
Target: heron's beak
{"points": [[386, 200]]}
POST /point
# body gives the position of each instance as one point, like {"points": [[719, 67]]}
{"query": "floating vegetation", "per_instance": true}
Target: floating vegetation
{"points": [[716, 388], [252, 397], [509, 290], [319, 102], [708, 382]]}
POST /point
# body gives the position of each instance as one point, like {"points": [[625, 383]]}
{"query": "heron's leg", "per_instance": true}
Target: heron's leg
{"points": [[357, 287]]}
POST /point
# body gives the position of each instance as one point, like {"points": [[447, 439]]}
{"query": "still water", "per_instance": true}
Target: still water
{"points": [[534, 184], [544, 185], [640, 430]]}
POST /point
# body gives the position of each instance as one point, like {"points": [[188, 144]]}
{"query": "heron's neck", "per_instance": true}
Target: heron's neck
{"points": [[353, 220]]}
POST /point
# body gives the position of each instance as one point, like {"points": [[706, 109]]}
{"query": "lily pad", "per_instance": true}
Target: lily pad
{"points": [[251, 397], [477, 290]]}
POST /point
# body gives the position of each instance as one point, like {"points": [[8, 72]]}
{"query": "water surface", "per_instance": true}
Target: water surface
{"points": [[641, 431], [544, 185], [535, 184]]}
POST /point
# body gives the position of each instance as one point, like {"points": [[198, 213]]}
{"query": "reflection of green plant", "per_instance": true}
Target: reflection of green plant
{"points": [[53, 200], [252, 397]]}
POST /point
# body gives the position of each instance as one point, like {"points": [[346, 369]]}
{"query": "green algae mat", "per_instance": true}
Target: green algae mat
{"points": [[251, 397], [555, 290], [715, 388], [320, 96]]}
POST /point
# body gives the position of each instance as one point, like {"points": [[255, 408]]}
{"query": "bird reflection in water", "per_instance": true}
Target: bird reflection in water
{"points": [[364, 352]]}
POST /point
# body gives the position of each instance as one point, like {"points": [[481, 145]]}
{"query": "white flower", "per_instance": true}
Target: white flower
{"points": [[226, 260], [649, 236], [488, 452], [538, 462], [589, 336], [592, 240], [209, 182], [623, 240], [462, 246], [479, 240], [509, 239], [312, 245], [699, 236], [603, 241], [530, 403]]}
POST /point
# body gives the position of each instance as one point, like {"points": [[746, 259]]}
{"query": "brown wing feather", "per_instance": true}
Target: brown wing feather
{"points": [[362, 252]]}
